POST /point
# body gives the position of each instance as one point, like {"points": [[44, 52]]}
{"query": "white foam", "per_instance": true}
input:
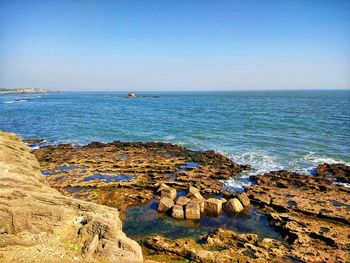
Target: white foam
{"points": [[317, 159], [342, 184], [259, 161], [15, 101]]}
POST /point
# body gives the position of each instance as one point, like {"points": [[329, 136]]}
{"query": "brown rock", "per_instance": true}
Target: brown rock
{"points": [[162, 187], [199, 201], [213, 206], [339, 171], [165, 204], [169, 193], [244, 199], [178, 212], [31, 210], [182, 200], [233, 206], [193, 192], [192, 211]]}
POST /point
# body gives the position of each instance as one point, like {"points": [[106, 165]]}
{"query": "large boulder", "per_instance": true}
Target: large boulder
{"points": [[192, 211], [169, 193], [178, 212], [162, 187], [233, 206], [200, 202], [182, 200], [38, 224], [213, 206], [244, 199], [193, 192], [165, 204]]}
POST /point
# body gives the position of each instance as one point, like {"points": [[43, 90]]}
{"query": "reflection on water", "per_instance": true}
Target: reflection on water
{"points": [[108, 179], [144, 220]]}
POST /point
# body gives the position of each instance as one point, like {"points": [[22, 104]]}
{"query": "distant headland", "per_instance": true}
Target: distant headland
{"points": [[5, 91]]}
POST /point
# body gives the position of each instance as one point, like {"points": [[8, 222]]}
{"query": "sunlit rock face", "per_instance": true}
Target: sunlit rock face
{"points": [[38, 224]]}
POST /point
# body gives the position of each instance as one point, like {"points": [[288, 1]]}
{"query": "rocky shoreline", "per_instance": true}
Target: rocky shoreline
{"points": [[311, 212], [25, 91]]}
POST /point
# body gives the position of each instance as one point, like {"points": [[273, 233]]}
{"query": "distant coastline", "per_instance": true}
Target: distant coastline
{"points": [[24, 91]]}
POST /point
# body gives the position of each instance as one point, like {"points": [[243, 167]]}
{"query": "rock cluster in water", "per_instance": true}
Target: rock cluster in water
{"points": [[124, 174], [194, 205], [312, 212]]}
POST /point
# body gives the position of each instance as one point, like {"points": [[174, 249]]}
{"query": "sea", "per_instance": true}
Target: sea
{"points": [[294, 130]]}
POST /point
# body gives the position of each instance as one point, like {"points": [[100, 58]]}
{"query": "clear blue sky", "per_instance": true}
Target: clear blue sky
{"points": [[174, 45]]}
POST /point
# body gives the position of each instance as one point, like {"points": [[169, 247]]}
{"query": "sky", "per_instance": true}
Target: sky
{"points": [[174, 45]]}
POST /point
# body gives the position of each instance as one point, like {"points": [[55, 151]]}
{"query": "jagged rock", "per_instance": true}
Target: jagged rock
{"points": [[135, 171], [47, 223], [192, 211], [339, 171], [244, 199], [311, 212], [233, 206], [212, 206], [169, 193], [178, 212], [182, 200], [165, 204]]}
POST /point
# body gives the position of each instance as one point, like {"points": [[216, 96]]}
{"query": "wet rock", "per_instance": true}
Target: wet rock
{"points": [[182, 200], [233, 206], [178, 212], [221, 246], [142, 169], [339, 171], [165, 204], [244, 199], [193, 192], [192, 211], [162, 187], [131, 95], [223, 200], [212, 206], [169, 193], [310, 211], [200, 202]]}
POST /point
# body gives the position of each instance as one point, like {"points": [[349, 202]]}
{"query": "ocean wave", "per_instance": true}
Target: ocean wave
{"points": [[259, 161], [15, 101], [317, 159]]}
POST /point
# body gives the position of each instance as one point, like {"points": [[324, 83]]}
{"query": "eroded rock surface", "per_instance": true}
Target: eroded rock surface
{"points": [[223, 246], [38, 224], [311, 212], [338, 171], [124, 174]]}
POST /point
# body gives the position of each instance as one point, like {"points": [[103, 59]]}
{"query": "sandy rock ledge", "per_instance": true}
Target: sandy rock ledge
{"points": [[38, 224]]}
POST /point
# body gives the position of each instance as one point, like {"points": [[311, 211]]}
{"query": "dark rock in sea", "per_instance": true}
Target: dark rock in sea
{"points": [[131, 95], [339, 171]]}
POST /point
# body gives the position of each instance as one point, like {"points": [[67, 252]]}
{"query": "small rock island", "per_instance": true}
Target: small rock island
{"points": [[132, 95]]}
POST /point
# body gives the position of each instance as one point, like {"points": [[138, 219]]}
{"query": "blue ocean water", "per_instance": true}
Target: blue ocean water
{"points": [[271, 130]]}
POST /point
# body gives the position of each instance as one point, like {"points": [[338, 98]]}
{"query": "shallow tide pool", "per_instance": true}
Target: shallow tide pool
{"points": [[142, 221]]}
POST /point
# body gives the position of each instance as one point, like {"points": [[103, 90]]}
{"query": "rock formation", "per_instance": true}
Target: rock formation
{"points": [[122, 174], [38, 224], [311, 212]]}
